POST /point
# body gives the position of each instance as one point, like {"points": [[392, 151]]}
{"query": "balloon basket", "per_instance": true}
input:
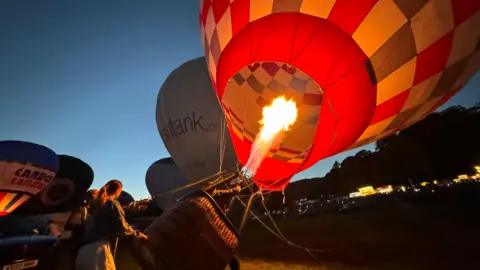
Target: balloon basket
{"points": [[196, 227]]}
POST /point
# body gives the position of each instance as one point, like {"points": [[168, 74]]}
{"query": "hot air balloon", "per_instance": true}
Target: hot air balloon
{"points": [[25, 170], [65, 192], [162, 177], [191, 122], [125, 198], [358, 71]]}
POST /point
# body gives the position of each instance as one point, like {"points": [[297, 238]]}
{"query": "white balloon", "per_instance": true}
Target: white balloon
{"points": [[191, 122], [162, 177]]}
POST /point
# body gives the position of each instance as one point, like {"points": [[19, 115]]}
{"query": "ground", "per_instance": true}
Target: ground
{"points": [[404, 237]]}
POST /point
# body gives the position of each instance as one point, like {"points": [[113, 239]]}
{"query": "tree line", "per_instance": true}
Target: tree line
{"points": [[442, 146]]}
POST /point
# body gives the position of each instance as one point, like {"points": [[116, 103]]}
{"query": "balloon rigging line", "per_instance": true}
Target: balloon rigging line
{"points": [[278, 233], [191, 184], [223, 141]]}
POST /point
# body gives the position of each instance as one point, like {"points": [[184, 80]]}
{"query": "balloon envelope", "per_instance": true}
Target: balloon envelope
{"points": [[66, 191], [164, 176], [125, 198], [191, 122], [25, 170], [358, 71]]}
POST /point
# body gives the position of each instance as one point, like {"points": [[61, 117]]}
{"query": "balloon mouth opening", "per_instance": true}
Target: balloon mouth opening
{"points": [[255, 87], [57, 193]]}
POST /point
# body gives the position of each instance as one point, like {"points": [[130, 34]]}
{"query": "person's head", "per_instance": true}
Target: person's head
{"points": [[110, 191], [91, 196]]}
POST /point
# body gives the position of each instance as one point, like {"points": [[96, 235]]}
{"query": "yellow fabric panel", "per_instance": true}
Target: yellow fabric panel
{"points": [[310, 110], [421, 92], [300, 137], [283, 77], [376, 128], [397, 82], [301, 75], [245, 72], [252, 112], [313, 88], [296, 160], [224, 29], [237, 132], [295, 95], [383, 135], [425, 108], [212, 67], [472, 67], [260, 9], [286, 154], [432, 22], [20, 201], [465, 39], [262, 76], [314, 8], [210, 25], [379, 25], [237, 102], [4, 202]]}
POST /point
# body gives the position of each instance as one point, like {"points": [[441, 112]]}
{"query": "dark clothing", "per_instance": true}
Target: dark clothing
{"points": [[76, 223], [106, 224]]}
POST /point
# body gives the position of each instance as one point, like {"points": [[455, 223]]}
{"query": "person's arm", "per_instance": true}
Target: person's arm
{"points": [[76, 219], [125, 228]]}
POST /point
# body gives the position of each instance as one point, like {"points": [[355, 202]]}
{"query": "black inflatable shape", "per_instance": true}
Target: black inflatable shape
{"points": [[125, 198], [70, 168]]}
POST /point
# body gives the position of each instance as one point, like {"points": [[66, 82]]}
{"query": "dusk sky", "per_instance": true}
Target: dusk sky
{"points": [[82, 78]]}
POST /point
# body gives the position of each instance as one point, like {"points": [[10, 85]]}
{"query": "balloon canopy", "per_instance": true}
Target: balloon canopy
{"points": [[25, 170], [125, 198], [66, 191], [191, 122], [358, 71], [164, 176]]}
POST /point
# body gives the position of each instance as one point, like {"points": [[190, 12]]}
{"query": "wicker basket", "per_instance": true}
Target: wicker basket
{"points": [[193, 234]]}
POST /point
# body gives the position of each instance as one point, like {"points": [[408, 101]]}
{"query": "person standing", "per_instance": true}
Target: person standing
{"points": [[103, 227]]}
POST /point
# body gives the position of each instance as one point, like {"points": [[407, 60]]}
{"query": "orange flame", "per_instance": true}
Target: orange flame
{"points": [[277, 118]]}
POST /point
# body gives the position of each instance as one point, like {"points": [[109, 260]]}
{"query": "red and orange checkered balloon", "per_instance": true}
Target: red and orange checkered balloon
{"points": [[358, 70]]}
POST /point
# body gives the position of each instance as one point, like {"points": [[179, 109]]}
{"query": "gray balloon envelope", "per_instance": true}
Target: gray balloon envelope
{"points": [[191, 122], [164, 176]]}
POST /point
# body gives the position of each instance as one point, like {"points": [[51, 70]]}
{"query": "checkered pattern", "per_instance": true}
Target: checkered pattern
{"points": [[260, 84], [426, 52]]}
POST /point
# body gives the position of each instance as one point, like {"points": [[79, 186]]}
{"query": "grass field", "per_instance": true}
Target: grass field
{"points": [[398, 238]]}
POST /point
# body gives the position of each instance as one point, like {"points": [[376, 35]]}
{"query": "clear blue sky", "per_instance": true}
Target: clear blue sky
{"points": [[82, 78]]}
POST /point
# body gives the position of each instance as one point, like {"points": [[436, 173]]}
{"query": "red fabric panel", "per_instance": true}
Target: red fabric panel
{"points": [[348, 14], [390, 107], [219, 7], [352, 113], [274, 174], [241, 152], [464, 9], [272, 41], [433, 59], [316, 53], [204, 11], [350, 59], [240, 12], [445, 98], [323, 51], [309, 29]]}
